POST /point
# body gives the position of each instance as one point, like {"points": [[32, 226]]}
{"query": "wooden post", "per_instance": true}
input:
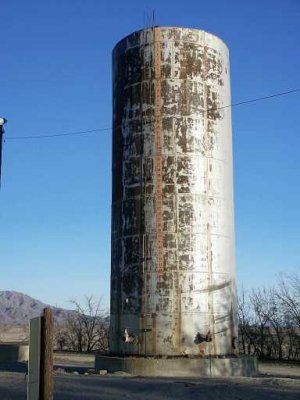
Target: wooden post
{"points": [[46, 365]]}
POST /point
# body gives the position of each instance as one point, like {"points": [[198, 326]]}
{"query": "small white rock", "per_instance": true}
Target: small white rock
{"points": [[103, 372]]}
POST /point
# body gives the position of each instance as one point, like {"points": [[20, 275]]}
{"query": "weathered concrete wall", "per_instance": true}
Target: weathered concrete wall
{"points": [[173, 279], [10, 353]]}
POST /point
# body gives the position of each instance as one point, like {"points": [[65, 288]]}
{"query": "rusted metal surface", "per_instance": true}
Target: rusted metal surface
{"points": [[158, 157], [172, 278]]}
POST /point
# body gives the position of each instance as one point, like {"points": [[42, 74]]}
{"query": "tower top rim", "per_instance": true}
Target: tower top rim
{"points": [[176, 28]]}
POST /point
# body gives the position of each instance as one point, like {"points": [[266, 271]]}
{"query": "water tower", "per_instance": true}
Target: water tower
{"points": [[173, 290]]}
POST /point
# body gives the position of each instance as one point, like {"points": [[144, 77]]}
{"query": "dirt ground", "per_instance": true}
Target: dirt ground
{"points": [[275, 382]]}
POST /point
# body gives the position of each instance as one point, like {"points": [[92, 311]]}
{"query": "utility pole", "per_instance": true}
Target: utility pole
{"points": [[2, 123]]}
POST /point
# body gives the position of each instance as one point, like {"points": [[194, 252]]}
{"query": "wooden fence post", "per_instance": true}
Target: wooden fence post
{"points": [[46, 368]]}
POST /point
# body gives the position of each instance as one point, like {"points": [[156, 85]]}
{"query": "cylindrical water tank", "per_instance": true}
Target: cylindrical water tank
{"points": [[172, 257]]}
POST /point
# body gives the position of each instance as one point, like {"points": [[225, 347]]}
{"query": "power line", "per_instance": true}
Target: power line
{"points": [[260, 99], [57, 134], [109, 129]]}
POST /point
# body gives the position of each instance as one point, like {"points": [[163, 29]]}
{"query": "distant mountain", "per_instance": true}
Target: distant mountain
{"points": [[18, 308]]}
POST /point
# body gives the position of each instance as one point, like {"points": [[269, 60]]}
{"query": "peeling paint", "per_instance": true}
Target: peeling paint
{"points": [[172, 208]]}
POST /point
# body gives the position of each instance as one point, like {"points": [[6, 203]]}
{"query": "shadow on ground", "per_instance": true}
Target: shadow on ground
{"points": [[14, 367]]}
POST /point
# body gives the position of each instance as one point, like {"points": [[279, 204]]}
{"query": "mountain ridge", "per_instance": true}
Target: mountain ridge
{"points": [[17, 308]]}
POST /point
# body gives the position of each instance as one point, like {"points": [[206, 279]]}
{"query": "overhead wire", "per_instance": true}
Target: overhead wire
{"points": [[83, 132], [58, 134], [260, 98]]}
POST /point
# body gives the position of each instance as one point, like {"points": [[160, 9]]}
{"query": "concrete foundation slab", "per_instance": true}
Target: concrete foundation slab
{"points": [[179, 367]]}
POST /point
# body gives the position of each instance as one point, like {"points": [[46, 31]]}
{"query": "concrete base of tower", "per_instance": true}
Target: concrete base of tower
{"points": [[189, 367]]}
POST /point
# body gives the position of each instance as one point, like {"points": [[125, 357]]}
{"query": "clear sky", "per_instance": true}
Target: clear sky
{"points": [[55, 77]]}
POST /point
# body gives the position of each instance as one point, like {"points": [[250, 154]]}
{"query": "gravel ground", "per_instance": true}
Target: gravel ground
{"points": [[277, 381]]}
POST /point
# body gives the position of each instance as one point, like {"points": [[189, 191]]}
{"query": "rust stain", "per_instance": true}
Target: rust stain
{"points": [[154, 339], [158, 158]]}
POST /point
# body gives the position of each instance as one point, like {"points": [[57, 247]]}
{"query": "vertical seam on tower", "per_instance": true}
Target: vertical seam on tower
{"points": [[158, 168], [208, 228], [142, 204]]}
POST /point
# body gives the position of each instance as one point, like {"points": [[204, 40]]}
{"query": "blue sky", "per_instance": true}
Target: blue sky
{"points": [[55, 77]]}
